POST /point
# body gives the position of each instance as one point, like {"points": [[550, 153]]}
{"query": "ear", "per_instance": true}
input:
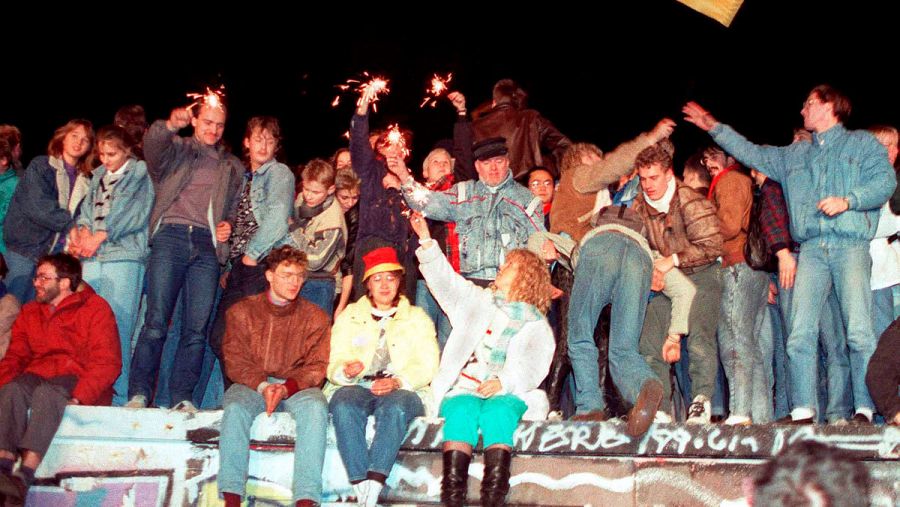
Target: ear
{"points": [[247, 143], [270, 276], [331, 190], [194, 121]]}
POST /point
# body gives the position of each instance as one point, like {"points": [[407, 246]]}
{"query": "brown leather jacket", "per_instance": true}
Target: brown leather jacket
{"points": [[526, 133], [287, 342], [690, 228]]}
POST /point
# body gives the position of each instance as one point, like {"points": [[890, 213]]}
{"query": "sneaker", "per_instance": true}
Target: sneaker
{"points": [[738, 420], [840, 421], [137, 401], [699, 411], [361, 490], [860, 419], [374, 491], [186, 406], [555, 416]]}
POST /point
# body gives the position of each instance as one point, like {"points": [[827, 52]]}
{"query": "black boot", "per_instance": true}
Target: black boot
{"points": [[495, 483], [454, 486]]}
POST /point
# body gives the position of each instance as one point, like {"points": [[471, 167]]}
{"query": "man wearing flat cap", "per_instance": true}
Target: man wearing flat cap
{"points": [[493, 215]]}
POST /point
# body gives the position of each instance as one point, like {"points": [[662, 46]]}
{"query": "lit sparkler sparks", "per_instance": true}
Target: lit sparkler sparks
{"points": [[212, 98], [419, 195], [438, 88], [395, 139], [360, 86]]}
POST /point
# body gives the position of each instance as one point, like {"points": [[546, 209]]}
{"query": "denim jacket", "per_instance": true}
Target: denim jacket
{"points": [[489, 221], [129, 214], [271, 196], [838, 163], [42, 208]]}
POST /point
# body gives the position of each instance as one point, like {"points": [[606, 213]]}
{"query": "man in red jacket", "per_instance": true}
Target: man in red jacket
{"points": [[64, 351]]}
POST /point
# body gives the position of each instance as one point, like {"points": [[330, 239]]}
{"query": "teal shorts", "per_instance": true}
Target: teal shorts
{"points": [[497, 417]]}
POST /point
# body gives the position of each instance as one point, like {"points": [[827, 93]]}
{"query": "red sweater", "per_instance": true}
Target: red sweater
{"points": [[79, 338]]}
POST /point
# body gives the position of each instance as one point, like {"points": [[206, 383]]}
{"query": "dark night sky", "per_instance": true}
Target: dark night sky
{"points": [[601, 77]]}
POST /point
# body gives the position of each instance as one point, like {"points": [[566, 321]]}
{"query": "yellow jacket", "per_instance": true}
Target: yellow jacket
{"points": [[410, 337]]}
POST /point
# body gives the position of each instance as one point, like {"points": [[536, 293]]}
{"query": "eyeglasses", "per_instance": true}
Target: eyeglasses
{"points": [[287, 277], [390, 277], [537, 183], [44, 278]]}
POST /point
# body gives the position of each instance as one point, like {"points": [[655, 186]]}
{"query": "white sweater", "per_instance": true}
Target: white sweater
{"points": [[471, 309]]}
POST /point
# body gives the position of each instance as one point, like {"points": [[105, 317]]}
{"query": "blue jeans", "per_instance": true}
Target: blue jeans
{"points": [[19, 279], [847, 271], [882, 309], [321, 293], [120, 283], [243, 281], [180, 256], [425, 301], [612, 269], [350, 409], [310, 412], [833, 377], [741, 352]]}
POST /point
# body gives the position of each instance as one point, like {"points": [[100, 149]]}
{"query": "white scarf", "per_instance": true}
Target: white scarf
{"points": [[662, 205]]}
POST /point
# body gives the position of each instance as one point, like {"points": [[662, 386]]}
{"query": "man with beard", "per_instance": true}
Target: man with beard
{"points": [[64, 351]]}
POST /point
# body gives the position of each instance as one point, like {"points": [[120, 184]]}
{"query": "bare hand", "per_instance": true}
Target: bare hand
{"points": [[489, 388], [556, 292], [247, 261], [367, 97], [458, 100], [658, 281], [549, 251], [73, 242], [273, 394], [832, 206], [664, 264], [419, 225], [179, 119], [353, 368], [223, 231], [89, 243], [787, 268], [397, 166], [671, 349], [662, 130], [700, 117], [384, 386], [773, 293], [223, 280]]}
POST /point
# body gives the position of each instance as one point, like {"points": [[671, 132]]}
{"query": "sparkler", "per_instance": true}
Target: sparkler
{"points": [[438, 88], [395, 139], [212, 98], [359, 86]]}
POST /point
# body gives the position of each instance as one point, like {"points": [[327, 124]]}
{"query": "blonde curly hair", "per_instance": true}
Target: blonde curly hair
{"points": [[532, 285]]}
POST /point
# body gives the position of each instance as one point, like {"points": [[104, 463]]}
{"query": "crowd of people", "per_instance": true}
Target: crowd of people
{"points": [[348, 287]]}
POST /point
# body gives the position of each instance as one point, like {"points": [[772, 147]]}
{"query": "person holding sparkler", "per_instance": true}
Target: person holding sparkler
{"points": [[198, 184]]}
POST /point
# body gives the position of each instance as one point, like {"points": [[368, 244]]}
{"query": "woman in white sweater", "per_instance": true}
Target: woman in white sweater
{"points": [[495, 358]]}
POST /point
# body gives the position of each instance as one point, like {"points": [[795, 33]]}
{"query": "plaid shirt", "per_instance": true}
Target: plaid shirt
{"points": [[774, 219]]}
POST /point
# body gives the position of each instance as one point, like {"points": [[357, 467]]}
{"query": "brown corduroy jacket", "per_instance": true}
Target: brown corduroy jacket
{"points": [[732, 195]]}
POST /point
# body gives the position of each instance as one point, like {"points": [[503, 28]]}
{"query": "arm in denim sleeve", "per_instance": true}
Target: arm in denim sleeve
{"points": [[876, 180], [135, 215], [435, 205], [769, 160], [279, 199]]}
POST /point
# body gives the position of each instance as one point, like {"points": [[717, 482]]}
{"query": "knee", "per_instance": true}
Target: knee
{"points": [[400, 408], [343, 404], [312, 408]]}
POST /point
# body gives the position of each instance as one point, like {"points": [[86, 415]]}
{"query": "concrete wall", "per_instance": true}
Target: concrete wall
{"points": [[153, 457]]}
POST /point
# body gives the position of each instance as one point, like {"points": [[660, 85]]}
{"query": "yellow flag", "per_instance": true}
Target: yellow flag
{"points": [[722, 11]]}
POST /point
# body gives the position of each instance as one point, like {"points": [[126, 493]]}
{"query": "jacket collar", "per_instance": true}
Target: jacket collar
{"points": [[829, 136]]}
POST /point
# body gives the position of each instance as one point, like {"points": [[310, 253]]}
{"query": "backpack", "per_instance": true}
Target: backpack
{"points": [[756, 250]]}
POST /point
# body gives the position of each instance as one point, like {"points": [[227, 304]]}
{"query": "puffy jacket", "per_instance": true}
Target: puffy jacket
{"points": [[264, 340], [410, 339], [837, 163], [129, 214], [80, 338]]}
